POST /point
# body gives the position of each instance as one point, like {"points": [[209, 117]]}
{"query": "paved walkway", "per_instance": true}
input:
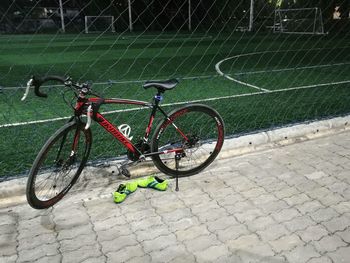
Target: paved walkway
{"points": [[288, 204]]}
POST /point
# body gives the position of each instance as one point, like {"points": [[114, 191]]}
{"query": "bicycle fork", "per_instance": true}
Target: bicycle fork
{"points": [[73, 149]]}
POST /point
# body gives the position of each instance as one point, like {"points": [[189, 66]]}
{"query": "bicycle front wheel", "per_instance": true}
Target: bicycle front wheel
{"points": [[188, 141], [58, 165]]}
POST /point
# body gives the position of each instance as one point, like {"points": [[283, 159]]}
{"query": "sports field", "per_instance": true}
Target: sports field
{"points": [[256, 82]]}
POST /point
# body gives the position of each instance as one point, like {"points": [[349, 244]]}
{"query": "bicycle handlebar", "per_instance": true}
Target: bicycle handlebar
{"points": [[37, 82]]}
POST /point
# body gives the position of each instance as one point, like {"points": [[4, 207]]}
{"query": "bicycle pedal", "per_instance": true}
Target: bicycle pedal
{"points": [[125, 172]]}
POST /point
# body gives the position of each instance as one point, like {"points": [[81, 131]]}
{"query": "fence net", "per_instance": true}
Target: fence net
{"points": [[226, 54]]}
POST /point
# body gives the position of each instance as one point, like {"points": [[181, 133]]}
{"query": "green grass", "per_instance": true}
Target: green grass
{"points": [[124, 58]]}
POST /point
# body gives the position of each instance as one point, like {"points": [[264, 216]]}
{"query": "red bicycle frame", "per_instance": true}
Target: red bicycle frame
{"points": [[83, 103]]}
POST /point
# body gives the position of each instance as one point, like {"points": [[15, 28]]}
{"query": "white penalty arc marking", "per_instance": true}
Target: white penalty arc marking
{"points": [[219, 71]]}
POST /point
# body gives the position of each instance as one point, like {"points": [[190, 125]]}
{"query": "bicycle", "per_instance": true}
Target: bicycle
{"points": [[185, 142]]}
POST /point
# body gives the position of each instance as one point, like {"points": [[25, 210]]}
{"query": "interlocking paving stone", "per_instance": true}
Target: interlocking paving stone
{"points": [[168, 254], [205, 207], [273, 206], [40, 251], [192, 232], [202, 242], [243, 242], [322, 259], [109, 222], [211, 253], [323, 215], [212, 215], [309, 207], [50, 259], [285, 215], [338, 223], [329, 244], [146, 223], [33, 242], [312, 233], [297, 199], [331, 199], [100, 259], [342, 207], [340, 255], [288, 204], [260, 223], [299, 223], [286, 192], [345, 235], [8, 259], [183, 223], [273, 232], [142, 259], [125, 254], [222, 223], [301, 254], [247, 215], [7, 229], [146, 234], [240, 206], [316, 175], [81, 254], [232, 232], [286, 243], [76, 231], [184, 259], [159, 243]]}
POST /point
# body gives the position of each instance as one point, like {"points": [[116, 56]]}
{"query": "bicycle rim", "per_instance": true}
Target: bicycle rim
{"points": [[58, 165], [197, 131]]}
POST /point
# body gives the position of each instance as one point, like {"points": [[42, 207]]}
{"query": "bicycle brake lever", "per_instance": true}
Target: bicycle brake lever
{"points": [[29, 84], [88, 115]]}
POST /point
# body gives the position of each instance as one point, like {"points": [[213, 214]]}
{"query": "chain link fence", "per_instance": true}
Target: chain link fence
{"points": [[223, 56]]}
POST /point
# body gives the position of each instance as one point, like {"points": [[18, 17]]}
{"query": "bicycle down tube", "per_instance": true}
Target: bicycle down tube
{"points": [[114, 131]]}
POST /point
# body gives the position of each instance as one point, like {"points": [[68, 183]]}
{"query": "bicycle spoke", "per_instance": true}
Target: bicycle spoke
{"points": [[56, 168]]}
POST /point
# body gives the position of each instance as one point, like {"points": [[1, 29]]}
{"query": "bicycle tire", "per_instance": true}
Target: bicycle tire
{"points": [[45, 171], [205, 131]]}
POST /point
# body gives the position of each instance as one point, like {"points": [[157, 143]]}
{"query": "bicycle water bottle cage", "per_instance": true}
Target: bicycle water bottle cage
{"points": [[161, 86]]}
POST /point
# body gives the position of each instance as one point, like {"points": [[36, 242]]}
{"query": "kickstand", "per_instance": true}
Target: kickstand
{"points": [[177, 159]]}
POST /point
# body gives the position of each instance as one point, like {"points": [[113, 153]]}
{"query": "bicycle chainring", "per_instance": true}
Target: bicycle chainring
{"points": [[142, 147]]}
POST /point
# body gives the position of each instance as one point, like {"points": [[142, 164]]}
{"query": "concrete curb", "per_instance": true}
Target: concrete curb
{"points": [[284, 136], [15, 189]]}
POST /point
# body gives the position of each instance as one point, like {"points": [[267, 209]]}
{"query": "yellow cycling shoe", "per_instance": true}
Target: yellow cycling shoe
{"points": [[153, 182], [123, 191]]}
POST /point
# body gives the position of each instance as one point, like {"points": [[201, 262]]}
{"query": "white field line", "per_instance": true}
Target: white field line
{"points": [[316, 85], [186, 102], [171, 39], [290, 69], [111, 82], [218, 70]]}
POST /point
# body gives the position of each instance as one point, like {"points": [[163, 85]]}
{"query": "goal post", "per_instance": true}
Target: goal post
{"points": [[96, 24], [298, 21]]}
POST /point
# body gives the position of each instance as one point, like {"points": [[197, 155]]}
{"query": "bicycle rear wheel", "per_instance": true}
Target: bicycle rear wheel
{"points": [[195, 133], [58, 165]]}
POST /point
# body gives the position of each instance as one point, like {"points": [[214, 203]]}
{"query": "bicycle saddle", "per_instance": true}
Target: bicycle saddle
{"points": [[161, 85]]}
